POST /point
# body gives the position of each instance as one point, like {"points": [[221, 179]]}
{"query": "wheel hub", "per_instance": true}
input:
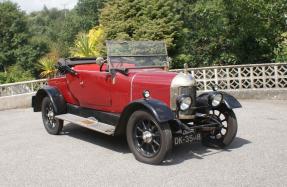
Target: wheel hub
{"points": [[50, 114], [147, 137]]}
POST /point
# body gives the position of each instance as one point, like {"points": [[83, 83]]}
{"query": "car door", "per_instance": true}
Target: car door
{"points": [[91, 88]]}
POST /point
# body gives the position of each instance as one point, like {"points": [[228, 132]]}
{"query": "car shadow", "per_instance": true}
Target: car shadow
{"points": [[115, 143], [199, 151], [119, 144]]}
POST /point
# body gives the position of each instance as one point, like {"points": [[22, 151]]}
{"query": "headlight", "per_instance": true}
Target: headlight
{"points": [[216, 99], [184, 103]]}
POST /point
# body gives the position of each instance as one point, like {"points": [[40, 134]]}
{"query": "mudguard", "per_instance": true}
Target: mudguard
{"points": [[158, 109], [228, 100], [54, 94]]}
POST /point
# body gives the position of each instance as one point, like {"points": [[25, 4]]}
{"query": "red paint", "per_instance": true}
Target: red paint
{"points": [[61, 84], [92, 88]]}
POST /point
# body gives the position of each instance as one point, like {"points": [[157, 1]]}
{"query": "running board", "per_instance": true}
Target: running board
{"points": [[89, 123]]}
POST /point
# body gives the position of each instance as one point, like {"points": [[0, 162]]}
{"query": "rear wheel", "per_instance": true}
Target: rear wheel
{"points": [[51, 124], [149, 141], [225, 132]]}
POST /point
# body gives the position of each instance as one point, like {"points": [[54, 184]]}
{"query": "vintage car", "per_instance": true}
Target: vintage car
{"points": [[132, 93]]}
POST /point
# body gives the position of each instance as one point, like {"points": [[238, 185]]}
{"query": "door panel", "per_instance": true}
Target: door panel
{"points": [[91, 88]]}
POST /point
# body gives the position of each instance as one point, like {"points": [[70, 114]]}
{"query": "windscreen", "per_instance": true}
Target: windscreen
{"points": [[136, 53]]}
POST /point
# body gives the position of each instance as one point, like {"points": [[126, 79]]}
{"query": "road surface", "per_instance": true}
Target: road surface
{"points": [[80, 157]]}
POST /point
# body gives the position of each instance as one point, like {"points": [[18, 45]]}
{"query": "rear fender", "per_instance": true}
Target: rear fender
{"points": [[55, 96], [161, 112]]}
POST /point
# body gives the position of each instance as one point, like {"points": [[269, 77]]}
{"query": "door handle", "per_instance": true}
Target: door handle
{"points": [[81, 83]]}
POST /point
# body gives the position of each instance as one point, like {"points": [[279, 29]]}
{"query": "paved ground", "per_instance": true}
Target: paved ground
{"points": [[80, 157]]}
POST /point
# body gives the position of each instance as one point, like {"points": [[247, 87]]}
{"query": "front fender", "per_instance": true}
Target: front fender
{"points": [[55, 96], [228, 100], [161, 112]]}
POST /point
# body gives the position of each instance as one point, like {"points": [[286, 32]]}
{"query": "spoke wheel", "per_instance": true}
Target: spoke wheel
{"points": [[221, 130], [148, 140], [226, 130], [51, 124], [147, 137]]}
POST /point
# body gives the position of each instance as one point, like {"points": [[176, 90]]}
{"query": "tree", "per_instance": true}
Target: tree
{"points": [[72, 25], [18, 49], [13, 33], [142, 20], [90, 44], [230, 31], [281, 50], [46, 26], [89, 11]]}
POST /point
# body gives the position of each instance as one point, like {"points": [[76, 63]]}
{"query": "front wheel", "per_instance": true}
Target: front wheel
{"points": [[51, 124], [225, 133], [149, 141]]}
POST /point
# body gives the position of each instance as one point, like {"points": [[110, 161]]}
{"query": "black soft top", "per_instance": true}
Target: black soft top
{"points": [[76, 61]]}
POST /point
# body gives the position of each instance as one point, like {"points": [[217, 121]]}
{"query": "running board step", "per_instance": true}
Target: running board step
{"points": [[89, 123]]}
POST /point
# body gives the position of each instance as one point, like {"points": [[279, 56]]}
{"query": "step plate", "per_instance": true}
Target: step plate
{"points": [[88, 123]]}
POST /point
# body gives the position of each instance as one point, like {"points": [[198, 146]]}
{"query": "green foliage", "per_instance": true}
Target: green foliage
{"points": [[28, 55], [82, 18], [198, 32], [88, 11], [18, 50], [142, 20], [46, 23], [47, 66], [48, 27], [230, 31], [281, 50], [82, 47], [72, 25], [90, 44], [13, 33], [15, 73], [201, 32]]}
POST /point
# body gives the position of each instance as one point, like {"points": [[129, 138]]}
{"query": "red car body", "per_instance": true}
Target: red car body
{"points": [[132, 93], [94, 89]]}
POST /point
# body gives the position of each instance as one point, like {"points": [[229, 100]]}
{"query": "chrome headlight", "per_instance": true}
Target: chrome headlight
{"points": [[216, 99], [184, 102]]}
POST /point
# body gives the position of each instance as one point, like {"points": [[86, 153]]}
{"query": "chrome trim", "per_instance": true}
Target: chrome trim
{"points": [[131, 89], [180, 80]]}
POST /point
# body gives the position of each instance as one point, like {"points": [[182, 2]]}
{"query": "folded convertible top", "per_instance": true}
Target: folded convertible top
{"points": [[76, 61]]}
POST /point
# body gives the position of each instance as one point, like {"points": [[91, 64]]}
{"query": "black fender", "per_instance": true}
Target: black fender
{"points": [[228, 100], [55, 96], [161, 112]]}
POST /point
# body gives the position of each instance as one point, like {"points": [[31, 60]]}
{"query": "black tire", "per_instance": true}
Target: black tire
{"points": [[223, 136], [153, 142], [52, 125]]}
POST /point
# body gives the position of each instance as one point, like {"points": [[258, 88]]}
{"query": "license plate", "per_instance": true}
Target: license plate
{"points": [[193, 137]]}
